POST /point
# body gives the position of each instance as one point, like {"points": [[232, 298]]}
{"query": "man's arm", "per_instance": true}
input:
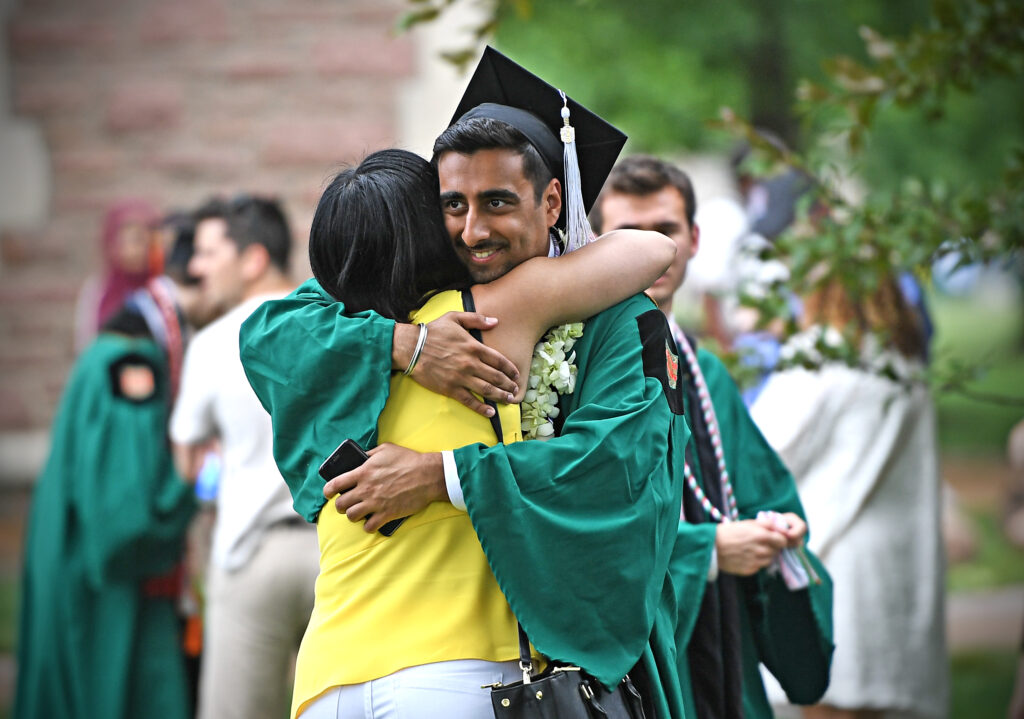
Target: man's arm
{"points": [[395, 482], [454, 364], [191, 426], [188, 460]]}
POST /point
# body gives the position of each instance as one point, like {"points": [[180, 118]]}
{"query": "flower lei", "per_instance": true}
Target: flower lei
{"points": [[552, 372]]}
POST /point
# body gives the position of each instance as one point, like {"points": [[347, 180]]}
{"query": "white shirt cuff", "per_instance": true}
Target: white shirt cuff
{"points": [[451, 480], [713, 567]]}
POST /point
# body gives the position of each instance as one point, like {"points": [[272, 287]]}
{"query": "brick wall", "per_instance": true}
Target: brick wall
{"points": [[173, 101]]}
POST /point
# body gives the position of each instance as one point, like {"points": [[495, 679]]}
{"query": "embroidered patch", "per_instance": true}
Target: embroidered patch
{"points": [[133, 378], [671, 366], [660, 357]]}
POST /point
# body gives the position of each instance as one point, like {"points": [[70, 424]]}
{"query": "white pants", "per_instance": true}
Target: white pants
{"points": [[254, 621], [443, 690]]}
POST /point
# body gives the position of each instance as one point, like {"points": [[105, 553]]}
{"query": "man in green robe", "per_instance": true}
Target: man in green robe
{"points": [[747, 615], [578, 529], [99, 633]]}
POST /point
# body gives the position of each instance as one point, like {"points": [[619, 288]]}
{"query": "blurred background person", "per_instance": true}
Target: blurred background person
{"points": [[716, 548], [100, 633], [264, 558], [861, 443], [131, 257]]}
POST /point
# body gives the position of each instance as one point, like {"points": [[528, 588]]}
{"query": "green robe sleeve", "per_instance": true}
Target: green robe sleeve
{"points": [[111, 460], [322, 375], [792, 630], [579, 529]]}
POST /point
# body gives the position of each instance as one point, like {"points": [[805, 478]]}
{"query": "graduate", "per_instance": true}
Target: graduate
{"points": [[578, 530], [741, 599], [99, 632]]}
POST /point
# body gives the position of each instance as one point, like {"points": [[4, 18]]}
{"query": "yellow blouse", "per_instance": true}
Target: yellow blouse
{"points": [[425, 594]]}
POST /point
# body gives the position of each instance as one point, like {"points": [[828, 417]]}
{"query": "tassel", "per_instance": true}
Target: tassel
{"points": [[577, 226]]}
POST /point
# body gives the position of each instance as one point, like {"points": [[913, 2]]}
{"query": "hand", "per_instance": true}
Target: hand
{"points": [[747, 546], [189, 458], [797, 530], [788, 524], [394, 482], [454, 364]]}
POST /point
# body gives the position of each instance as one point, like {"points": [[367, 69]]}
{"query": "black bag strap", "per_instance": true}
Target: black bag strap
{"points": [[470, 306], [525, 660]]}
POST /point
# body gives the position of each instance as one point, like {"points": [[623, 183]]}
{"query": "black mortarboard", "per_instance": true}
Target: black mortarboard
{"points": [[502, 90]]}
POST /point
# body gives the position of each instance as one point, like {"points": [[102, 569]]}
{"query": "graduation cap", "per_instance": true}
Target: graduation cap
{"points": [[579, 147]]}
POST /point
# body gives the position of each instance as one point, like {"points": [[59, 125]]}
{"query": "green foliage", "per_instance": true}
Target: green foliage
{"points": [[970, 425], [982, 683], [919, 222], [8, 613], [921, 101], [996, 564]]}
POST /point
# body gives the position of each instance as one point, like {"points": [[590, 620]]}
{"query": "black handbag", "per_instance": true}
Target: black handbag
{"points": [[562, 692]]}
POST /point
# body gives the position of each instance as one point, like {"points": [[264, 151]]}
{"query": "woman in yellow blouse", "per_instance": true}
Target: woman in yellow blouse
{"points": [[415, 623]]}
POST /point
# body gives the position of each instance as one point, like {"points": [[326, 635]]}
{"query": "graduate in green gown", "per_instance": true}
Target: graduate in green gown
{"points": [[99, 633], [579, 529], [726, 625]]}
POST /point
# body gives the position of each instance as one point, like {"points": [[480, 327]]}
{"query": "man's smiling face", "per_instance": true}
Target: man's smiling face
{"points": [[492, 212]]}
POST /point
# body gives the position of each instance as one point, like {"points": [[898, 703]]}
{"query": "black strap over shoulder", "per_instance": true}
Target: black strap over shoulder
{"points": [[470, 306]]}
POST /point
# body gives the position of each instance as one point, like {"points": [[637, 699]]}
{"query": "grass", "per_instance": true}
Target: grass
{"points": [[982, 683]]}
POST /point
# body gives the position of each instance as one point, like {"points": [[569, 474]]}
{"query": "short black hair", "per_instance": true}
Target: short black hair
{"points": [[253, 220], [645, 175], [378, 239], [182, 226], [484, 133]]}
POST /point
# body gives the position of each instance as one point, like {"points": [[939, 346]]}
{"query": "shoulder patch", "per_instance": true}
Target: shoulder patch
{"points": [[660, 356], [134, 378]]}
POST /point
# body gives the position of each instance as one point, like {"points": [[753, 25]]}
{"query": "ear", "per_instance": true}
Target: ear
{"points": [[254, 262], [694, 239], [551, 201]]}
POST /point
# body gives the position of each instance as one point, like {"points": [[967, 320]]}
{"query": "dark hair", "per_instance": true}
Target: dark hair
{"points": [[645, 175], [484, 133], [378, 239], [742, 150], [253, 220], [182, 226]]}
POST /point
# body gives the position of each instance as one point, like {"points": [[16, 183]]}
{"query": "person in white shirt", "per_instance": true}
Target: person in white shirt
{"points": [[264, 558]]}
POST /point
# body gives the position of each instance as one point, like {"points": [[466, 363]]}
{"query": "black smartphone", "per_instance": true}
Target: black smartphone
{"points": [[345, 458]]}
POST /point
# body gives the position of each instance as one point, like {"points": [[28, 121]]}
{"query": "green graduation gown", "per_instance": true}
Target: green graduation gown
{"points": [[580, 549], [108, 513], [789, 632]]}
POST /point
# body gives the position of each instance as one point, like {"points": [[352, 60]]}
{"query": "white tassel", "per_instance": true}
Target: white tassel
{"points": [[577, 226]]}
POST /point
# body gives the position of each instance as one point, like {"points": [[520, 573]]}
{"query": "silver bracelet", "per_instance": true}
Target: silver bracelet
{"points": [[420, 341]]}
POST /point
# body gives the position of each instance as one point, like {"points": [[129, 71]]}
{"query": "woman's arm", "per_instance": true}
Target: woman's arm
{"points": [[544, 292]]}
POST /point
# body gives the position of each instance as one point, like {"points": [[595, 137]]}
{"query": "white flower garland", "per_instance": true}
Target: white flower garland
{"points": [[552, 372]]}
